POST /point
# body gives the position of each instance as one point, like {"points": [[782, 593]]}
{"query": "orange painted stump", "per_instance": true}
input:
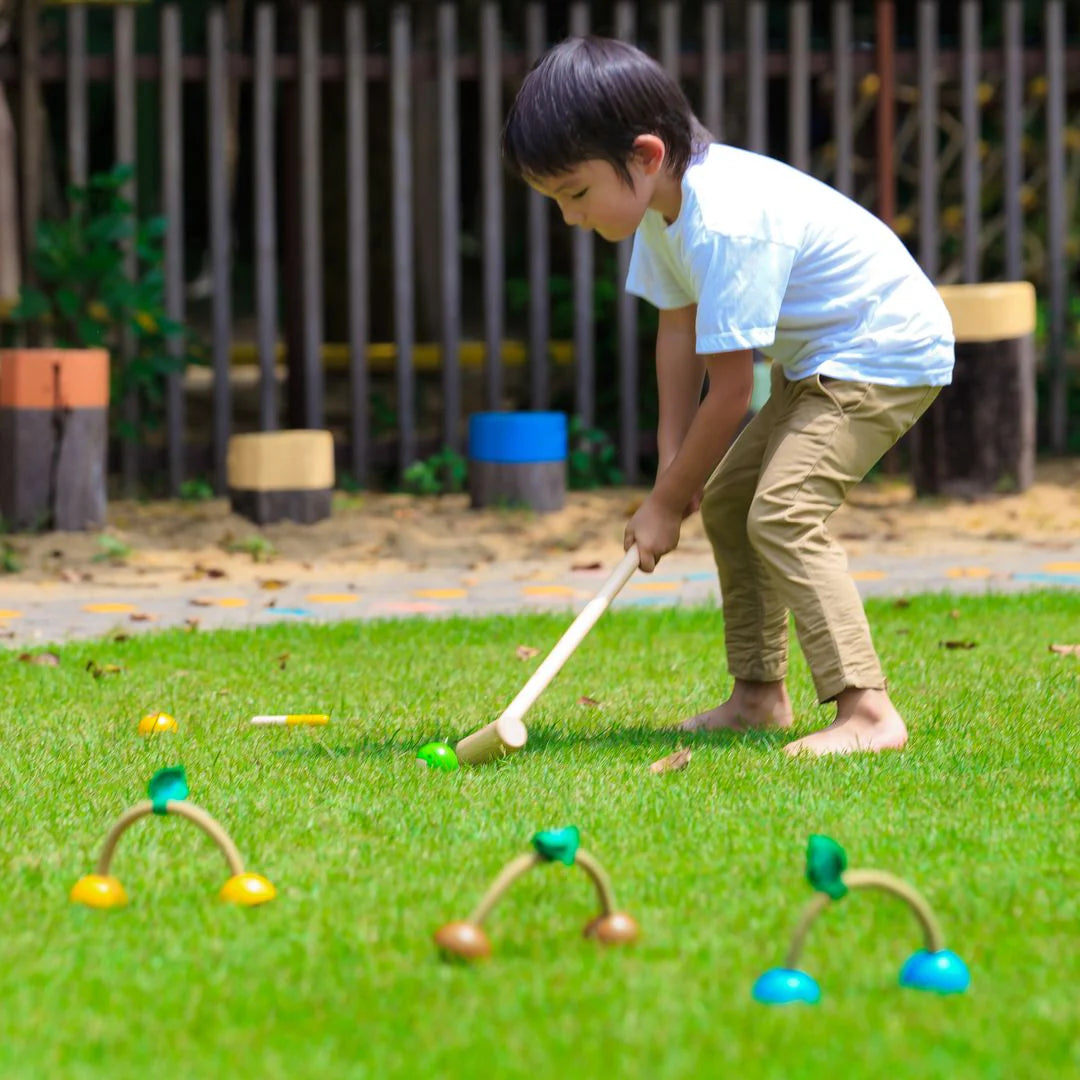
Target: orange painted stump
{"points": [[53, 437]]}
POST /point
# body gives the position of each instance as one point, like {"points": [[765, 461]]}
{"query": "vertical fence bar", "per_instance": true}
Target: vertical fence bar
{"points": [[356, 124], [626, 311], [584, 255], [172, 182], [494, 258], [1014, 171], [124, 119], [1056, 224], [885, 48], [712, 69], [266, 254], [220, 242], [311, 247], [539, 248], [970, 46], [30, 131], [799, 85], [928, 137], [757, 87], [401, 158], [669, 37], [843, 135], [76, 95], [450, 222]]}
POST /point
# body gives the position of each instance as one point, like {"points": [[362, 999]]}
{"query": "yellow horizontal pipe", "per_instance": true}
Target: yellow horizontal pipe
{"points": [[427, 356]]}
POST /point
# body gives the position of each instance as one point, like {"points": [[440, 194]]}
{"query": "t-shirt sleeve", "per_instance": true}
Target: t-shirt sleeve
{"points": [[741, 284], [650, 277]]}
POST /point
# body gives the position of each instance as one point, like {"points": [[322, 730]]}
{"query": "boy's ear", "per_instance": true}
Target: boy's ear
{"points": [[650, 152]]}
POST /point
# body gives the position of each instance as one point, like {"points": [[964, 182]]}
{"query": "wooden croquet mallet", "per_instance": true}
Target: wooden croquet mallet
{"points": [[508, 733]]}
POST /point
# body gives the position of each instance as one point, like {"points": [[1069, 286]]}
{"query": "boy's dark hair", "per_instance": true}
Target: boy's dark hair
{"points": [[589, 98]]}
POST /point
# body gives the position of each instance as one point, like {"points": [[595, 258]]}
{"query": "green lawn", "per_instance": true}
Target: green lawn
{"points": [[338, 976]]}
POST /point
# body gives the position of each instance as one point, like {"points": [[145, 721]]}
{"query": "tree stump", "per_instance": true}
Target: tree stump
{"points": [[54, 429], [282, 476], [979, 435], [518, 459]]}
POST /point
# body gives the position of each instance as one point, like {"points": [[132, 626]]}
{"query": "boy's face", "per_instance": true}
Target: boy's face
{"points": [[594, 196]]}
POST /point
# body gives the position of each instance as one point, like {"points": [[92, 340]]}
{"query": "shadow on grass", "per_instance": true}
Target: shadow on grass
{"points": [[656, 740]]}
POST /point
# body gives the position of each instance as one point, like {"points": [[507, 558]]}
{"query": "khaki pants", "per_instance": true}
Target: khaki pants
{"points": [[766, 510]]}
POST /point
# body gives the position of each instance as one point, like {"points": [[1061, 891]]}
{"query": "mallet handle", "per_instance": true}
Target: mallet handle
{"points": [[507, 734], [564, 648]]}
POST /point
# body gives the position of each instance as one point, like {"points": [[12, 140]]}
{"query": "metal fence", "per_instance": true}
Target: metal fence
{"points": [[959, 136]]}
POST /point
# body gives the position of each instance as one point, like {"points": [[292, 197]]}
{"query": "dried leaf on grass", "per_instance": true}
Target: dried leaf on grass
{"points": [[673, 762], [44, 659], [282, 660], [526, 652], [192, 624], [958, 644], [101, 670], [591, 702], [1066, 650]]}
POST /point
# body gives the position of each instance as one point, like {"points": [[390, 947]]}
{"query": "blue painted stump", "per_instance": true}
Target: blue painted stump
{"points": [[518, 459]]}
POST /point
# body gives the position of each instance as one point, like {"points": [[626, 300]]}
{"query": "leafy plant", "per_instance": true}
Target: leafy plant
{"points": [[258, 547], [198, 490], [113, 550], [442, 473], [593, 461], [86, 297], [9, 561]]}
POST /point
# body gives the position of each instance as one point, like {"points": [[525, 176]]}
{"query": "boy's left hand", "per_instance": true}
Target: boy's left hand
{"points": [[655, 529]]}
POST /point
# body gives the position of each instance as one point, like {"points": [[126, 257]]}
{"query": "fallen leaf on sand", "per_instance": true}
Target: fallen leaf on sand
{"points": [[526, 652], [45, 659], [958, 644], [142, 616], [591, 702], [1066, 650], [587, 566], [192, 624], [272, 583], [201, 601], [673, 762]]}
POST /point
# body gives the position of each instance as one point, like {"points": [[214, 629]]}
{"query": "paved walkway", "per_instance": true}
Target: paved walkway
{"points": [[55, 612]]}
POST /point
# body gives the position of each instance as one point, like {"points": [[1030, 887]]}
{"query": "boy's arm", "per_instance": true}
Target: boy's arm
{"points": [[680, 373], [655, 527]]}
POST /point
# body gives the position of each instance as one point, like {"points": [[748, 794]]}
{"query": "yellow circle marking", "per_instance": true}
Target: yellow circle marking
{"points": [[441, 594], [231, 601], [333, 598], [868, 575], [1049, 568], [109, 609], [655, 586], [6, 613], [968, 571]]}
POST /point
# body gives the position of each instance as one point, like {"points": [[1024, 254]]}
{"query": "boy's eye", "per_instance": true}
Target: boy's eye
{"points": [[579, 194]]}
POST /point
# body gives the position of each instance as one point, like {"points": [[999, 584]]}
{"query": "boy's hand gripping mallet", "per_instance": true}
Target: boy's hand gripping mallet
{"points": [[507, 734]]}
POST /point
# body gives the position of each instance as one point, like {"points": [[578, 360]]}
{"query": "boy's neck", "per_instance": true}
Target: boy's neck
{"points": [[667, 196]]}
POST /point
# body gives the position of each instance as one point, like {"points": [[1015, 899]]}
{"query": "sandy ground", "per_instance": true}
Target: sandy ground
{"points": [[169, 543]]}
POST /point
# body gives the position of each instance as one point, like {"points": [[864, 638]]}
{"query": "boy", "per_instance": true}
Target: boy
{"points": [[741, 252]]}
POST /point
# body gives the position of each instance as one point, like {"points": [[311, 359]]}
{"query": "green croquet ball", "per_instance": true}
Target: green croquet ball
{"points": [[438, 755]]}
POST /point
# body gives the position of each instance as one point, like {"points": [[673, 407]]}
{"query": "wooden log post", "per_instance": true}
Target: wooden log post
{"points": [[978, 437], [54, 426], [518, 459], [282, 475]]}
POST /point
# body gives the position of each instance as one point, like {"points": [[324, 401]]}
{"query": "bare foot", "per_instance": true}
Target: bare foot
{"points": [[866, 721], [753, 706]]}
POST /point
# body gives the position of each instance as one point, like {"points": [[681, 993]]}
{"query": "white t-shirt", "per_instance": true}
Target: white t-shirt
{"points": [[778, 261]]}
